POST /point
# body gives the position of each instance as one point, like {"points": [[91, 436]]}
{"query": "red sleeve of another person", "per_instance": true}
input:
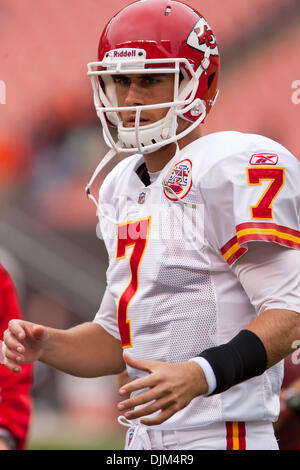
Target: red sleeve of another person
{"points": [[15, 389]]}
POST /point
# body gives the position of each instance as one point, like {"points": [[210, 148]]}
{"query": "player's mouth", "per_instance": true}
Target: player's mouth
{"points": [[131, 121]]}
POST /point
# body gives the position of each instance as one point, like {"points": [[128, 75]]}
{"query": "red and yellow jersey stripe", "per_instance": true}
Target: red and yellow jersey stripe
{"points": [[235, 435], [258, 231]]}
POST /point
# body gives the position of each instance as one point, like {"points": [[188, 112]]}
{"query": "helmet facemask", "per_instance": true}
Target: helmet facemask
{"points": [[150, 137]]}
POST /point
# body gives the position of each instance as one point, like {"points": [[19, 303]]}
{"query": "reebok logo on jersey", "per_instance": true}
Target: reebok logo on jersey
{"points": [[264, 159], [179, 181]]}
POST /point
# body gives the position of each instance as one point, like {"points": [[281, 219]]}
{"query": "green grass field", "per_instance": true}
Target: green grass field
{"points": [[104, 445], [112, 443]]}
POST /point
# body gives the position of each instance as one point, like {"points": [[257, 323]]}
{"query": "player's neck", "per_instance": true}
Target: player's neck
{"points": [[156, 161]]}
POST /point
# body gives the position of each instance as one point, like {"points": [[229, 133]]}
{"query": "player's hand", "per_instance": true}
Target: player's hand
{"points": [[295, 385], [123, 378], [4, 445], [24, 342], [169, 388]]}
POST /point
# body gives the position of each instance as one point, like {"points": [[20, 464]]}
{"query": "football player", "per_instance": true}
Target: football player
{"points": [[15, 390], [203, 239]]}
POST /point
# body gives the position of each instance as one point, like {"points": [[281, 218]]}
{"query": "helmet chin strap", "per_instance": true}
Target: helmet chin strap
{"points": [[103, 163], [148, 138], [108, 157], [138, 138], [137, 135]]}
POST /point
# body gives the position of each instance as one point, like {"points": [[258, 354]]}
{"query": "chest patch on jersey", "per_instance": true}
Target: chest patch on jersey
{"points": [[179, 181], [264, 159]]}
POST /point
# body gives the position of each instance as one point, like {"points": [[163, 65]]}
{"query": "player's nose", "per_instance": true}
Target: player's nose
{"points": [[135, 95]]}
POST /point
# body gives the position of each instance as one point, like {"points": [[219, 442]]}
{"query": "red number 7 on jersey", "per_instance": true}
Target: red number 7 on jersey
{"points": [[263, 209], [130, 235]]}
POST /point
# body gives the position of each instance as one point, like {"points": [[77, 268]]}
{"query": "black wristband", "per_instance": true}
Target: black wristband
{"points": [[238, 360]]}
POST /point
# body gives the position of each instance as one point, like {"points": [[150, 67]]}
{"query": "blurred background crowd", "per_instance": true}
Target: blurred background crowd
{"points": [[51, 141]]}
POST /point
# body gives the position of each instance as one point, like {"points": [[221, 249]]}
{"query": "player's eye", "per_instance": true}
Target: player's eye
{"points": [[121, 80], [146, 81]]}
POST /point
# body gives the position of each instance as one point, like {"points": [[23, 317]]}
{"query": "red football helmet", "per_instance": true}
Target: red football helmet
{"points": [[146, 36]]}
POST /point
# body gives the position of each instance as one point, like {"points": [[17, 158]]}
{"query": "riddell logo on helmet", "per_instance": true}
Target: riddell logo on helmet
{"points": [[126, 53]]}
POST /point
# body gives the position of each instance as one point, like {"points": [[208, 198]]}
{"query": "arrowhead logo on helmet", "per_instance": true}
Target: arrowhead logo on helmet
{"points": [[202, 38]]}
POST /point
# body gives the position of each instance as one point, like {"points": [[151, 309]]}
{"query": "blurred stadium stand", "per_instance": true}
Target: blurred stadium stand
{"points": [[256, 94], [50, 139]]}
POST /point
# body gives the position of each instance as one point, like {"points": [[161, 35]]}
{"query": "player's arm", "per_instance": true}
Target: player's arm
{"points": [[87, 350], [278, 330], [270, 276], [171, 387], [272, 283]]}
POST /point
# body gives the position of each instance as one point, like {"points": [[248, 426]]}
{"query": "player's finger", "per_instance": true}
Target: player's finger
{"points": [[141, 399], [12, 365], [15, 326], [141, 364], [139, 384], [161, 417], [11, 358], [12, 342], [13, 355], [150, 409], [39, 332]]}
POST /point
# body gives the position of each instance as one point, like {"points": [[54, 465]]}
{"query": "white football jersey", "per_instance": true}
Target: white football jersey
{"points": [[172, 250]]}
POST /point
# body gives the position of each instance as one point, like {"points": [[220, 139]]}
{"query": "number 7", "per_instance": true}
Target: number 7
{"points": [[130, 235], [263, 209]]}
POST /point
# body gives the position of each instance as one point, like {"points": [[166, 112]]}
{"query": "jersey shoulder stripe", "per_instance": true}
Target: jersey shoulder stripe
{"points": [[252, 231]]}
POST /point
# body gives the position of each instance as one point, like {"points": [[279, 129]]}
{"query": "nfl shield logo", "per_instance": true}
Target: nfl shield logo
{"points": [[130, 435], [141, 198]]}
